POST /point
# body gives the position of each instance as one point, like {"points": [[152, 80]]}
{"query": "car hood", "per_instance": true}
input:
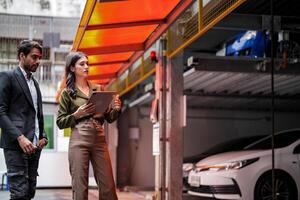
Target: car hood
{"points": [[233, 156]]}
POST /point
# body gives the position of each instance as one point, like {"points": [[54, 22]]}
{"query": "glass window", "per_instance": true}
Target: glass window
{"points": [[60, 56], [281, 140]]}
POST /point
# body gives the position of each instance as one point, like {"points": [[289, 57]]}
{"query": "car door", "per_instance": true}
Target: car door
{"points": [[296, 152], [296, 162]]}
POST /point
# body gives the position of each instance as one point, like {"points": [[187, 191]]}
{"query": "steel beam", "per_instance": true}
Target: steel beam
{"points": [[125, 24], [113, 49], [102, 76], [241, 96], [241, 65], [109, 62]]}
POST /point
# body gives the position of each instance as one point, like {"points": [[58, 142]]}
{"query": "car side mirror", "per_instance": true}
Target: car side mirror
{"points": [[297, 149]]}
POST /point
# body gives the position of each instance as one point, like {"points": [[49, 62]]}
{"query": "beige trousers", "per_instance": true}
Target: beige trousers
{"points": [[88, 144]]}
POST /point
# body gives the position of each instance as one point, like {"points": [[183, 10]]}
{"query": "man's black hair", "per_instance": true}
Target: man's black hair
{"points": [[26, 46]]}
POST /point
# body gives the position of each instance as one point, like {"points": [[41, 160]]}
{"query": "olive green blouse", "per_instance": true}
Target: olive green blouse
{"points": [[68, 106]]}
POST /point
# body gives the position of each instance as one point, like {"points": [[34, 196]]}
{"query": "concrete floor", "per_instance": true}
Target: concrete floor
{"points": [[65, 194]]}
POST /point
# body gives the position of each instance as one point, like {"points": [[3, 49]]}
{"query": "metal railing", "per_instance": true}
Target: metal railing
{"points": [[134, 76], [197, 20]]}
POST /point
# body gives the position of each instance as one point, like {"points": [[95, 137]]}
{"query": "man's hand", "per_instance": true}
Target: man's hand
{"points": [[26, 145], [42, 143]]}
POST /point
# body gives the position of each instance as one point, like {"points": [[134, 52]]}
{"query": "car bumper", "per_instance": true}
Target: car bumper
{"points": [[215, 184]]}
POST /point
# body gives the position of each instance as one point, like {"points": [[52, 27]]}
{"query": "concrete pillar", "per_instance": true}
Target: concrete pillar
{"points": [[174, 127], [112, 140], [171, 127]]}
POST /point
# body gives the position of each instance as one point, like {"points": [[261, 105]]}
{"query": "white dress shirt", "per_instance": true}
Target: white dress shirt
{"points": [[33, 93]]}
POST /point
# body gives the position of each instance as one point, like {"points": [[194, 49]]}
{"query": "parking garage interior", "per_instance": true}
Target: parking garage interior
{"points": [[227, 97], [184, 92]]}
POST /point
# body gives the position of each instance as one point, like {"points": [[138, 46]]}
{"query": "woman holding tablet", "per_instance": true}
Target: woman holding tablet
{"points": [[87, 141]]}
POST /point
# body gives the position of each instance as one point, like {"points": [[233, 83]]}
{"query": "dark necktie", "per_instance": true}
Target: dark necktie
{"points": [[28, 76]]}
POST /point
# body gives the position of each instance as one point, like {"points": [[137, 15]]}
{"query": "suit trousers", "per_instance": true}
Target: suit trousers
{"points": [[22, 173], [88, 144]]}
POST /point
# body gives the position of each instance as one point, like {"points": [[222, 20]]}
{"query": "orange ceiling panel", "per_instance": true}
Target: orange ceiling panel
{"points": [[114, 33], [131, 11], [104, 69], [116, 36], [109, 58], [101, 81]]}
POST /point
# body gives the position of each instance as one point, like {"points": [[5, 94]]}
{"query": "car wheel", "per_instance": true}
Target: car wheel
{"points": [[284, 187]]}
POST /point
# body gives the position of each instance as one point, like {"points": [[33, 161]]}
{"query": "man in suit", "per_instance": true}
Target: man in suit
{"points": [[21, 120]]}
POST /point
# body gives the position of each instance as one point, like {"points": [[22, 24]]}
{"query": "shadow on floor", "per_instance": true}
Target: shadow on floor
{"points": [[66, 194]]}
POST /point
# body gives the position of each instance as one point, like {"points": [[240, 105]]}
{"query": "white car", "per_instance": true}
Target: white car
{"points": [[247, 174], [230, 145]]}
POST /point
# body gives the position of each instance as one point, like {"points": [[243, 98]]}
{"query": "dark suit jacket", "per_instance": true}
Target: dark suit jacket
{"points": [[17, 113]]}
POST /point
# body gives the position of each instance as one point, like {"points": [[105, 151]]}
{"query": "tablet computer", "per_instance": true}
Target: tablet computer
{"points": [[101, 100]]}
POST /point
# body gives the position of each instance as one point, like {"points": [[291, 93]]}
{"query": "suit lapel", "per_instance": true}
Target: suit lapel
{"points": [[23, 84], [39, 95]]}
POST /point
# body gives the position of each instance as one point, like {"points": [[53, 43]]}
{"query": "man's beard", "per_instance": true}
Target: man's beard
{"points": [[30, 68]]}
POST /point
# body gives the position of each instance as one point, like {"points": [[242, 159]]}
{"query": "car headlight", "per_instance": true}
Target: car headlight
{"points": [[227, 165], [186, 168]]}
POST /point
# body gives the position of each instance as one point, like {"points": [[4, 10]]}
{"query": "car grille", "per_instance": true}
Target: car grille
{"points": [[216, 189]]}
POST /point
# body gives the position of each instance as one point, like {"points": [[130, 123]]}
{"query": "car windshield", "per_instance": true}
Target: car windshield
{"points": [[282, 139], [231, 145]]}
